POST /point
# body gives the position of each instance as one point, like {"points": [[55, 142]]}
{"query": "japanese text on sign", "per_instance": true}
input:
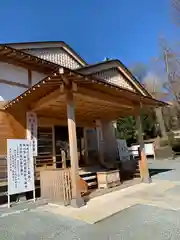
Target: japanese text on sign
{"points": [[20, 166], [31, 120]]}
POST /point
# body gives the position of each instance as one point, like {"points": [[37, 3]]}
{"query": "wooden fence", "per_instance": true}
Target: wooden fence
{"points": [[56, 185], [3, 170]]}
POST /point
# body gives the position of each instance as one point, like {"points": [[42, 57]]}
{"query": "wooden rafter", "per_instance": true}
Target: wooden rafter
{"points": [[25, 60], [97, 89], [46, 100], [13, 83], [106, 98], [29, 78]]}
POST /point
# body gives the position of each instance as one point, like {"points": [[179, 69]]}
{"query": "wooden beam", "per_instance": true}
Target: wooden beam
{"points": [[85, 144], [63, 158], [53, 147], [100, 106], [29, 78], [104, 97], [14, 83], [100, 141], [27, 65], [143, 164], [62, 88], [77, 200], [47, 120], [46, 100], [64, 78], [74, 87]]}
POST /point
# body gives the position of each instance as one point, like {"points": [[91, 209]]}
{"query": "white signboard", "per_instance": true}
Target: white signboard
{"points": [[31, 123], [148, 147], [123, 150], [20, 166], [134, 150]]}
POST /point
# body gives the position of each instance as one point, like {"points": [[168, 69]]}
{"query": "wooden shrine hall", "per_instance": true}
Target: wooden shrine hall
{"points": [[68, 98], [75, 109]]}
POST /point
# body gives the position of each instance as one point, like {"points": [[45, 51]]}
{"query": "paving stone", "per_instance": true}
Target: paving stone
{"points": [[20, 206], [138, 222], [152, 218], [35, 225]]}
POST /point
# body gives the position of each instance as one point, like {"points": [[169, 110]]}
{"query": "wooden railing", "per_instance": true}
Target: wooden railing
{"points": [[56, 185]]}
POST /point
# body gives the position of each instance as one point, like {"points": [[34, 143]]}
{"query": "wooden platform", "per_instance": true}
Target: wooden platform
{"points": [[91, 169]]}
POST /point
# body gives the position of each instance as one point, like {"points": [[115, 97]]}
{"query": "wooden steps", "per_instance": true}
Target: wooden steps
{"points": [[90, 178], [137, 172]]}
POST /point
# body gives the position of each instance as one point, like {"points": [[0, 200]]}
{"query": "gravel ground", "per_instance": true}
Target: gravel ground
{"points": [[138, 222]]}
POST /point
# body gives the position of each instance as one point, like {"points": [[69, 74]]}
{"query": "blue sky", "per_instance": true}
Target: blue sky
{"points": [[123, 29]]}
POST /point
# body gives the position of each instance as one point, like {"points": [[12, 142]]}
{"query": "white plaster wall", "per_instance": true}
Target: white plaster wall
{"points": [[36, 77], [13, 73], [8, 92]]}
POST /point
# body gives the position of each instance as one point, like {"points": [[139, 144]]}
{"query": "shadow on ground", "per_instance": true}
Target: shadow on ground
{"points": [[154, 171]]}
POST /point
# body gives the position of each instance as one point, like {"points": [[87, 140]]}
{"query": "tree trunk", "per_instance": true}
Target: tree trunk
{"points": [[160, 120]]}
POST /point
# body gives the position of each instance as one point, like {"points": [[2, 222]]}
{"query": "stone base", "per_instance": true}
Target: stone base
{"points": [[77, 202], [146, 179]]}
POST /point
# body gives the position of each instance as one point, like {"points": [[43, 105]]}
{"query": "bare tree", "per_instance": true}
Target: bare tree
{"points": [[176, 10], [172, 68], [154, 86], [171, 64], [139, 70]]}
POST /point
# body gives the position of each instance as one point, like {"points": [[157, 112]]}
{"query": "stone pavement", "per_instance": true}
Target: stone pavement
{"points": [[143, 211]]}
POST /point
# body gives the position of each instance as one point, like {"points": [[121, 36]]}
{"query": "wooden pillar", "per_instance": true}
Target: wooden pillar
{"points": [[85, 145], [100, 141], [160, 119], [29, 78], [77, 200], [63, 158], [143, 164], [53, 147]]}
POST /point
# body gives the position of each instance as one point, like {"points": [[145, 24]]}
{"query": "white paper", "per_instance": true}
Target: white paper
{"points": [[20, 166], [148, 148], [124, 153], [134, 150], [31, 123]]}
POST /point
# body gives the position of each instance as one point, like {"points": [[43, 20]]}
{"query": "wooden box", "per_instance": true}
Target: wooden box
{"points": [[108, 179]]}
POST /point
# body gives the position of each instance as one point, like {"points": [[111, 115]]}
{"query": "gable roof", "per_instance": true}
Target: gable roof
{"points": [[63, 75], [49, 44], [105, 65], [26, 60]]}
